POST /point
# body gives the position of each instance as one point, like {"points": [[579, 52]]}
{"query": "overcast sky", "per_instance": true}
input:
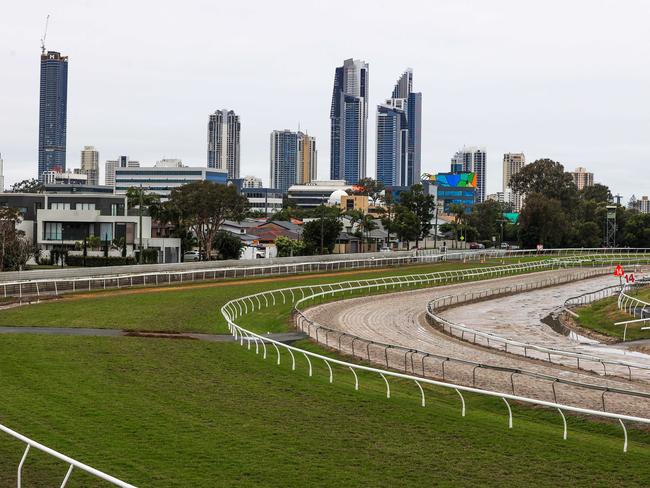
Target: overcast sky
{"points": [[568, 80]]}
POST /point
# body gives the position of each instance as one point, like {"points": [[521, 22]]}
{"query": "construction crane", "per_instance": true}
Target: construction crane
{"points": [[47, 21]]}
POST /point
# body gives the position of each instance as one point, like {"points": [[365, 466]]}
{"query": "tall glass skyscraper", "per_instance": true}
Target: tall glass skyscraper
{"points": [[293, 159], [399, 135], [52, 113], [223, 141], [349, 119]]}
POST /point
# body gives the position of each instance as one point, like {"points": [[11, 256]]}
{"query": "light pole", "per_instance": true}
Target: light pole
{"points": [[140, 226], [322, 223]]}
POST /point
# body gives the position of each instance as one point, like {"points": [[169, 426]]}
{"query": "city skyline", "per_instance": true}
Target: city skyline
{"points": [[546, 107]]}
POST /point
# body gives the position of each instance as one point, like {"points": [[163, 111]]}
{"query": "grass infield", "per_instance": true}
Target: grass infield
{"points": [[164, 413]]}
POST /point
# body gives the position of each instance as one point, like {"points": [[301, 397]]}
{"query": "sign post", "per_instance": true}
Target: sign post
{"points": [[618, 271]]}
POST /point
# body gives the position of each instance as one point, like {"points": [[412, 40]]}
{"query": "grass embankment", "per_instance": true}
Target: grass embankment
{"points": [[166, 413], [185, 308], [601, 316]]}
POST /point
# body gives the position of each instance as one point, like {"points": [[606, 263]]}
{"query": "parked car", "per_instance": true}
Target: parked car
{"points": [[190, 256], [505, 245], [476, 245]]}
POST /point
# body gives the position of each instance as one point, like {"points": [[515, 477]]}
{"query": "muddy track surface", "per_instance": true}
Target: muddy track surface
{"points": [[399, 319]]}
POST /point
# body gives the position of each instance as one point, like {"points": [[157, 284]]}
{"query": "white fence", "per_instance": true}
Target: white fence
{"points": [[528, 350], [73, 463], [631, 304], [246, 305], [53, 286], [422, 363]]}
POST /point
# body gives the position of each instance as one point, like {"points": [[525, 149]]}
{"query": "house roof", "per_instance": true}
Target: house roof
{"points": [[284, 224]]}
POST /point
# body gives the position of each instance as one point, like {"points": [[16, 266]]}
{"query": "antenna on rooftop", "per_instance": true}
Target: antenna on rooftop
{"points": [[47, 21]]}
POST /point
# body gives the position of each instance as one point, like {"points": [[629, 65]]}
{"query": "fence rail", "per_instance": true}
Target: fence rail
{"points": [[423, 363], [631, 304], [247, 305], [72, 463], [54, 286], [527, 349]]}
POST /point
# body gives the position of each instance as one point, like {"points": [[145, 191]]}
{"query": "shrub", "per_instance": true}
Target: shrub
{"points": [[94, 261]]}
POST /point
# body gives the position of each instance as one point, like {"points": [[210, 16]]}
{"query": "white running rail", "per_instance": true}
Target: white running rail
{"points": [[239, 307], [73, 463], [56, 286], [465, 332]]}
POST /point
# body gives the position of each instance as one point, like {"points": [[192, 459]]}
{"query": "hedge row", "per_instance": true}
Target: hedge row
{"points": [[99, 261]]}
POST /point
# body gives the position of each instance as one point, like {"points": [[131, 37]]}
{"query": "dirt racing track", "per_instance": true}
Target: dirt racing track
{"points": [[392, 331]]}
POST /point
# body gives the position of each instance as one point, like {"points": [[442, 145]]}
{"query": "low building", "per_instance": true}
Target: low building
{"points": [[64, 178], [316, 193], [163, 179], [251, 182], [60, 220], [265, 200]]}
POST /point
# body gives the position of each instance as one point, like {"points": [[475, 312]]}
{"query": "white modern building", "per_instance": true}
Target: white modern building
{"points": [[162, 180], [265, 200], [169, 163], [55, 220], [251, 182], [315, 193], [65, 178], [111, 166]]}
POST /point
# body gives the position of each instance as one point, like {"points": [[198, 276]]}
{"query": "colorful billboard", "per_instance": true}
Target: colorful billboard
{"points": [[461, 180]]}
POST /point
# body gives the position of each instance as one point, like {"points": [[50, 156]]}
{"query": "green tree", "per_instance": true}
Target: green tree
{"points": [[546, 177], [15, 248], [597, 193], [388, 215], [228, 245], [311, 234], [542, 221], [150, 200], [422, 205], [486, 218], [636, 230], [406, 224], [367, 225], [203, 206], [289, 247], [27, 186]]}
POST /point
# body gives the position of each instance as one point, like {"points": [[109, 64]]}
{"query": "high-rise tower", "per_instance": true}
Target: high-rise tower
{"points": [[349, 119], [223, 141], [90, 164], [473, 160], [399, 135], [52, 113], [512, 164], [293, 159]]}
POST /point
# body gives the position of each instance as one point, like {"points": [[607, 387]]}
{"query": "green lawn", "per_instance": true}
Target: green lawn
{"points": [[169, 413], [601, 316], [187, 309]]}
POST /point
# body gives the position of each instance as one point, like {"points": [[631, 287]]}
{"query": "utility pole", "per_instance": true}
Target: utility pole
{"points": [[140, 226]]}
